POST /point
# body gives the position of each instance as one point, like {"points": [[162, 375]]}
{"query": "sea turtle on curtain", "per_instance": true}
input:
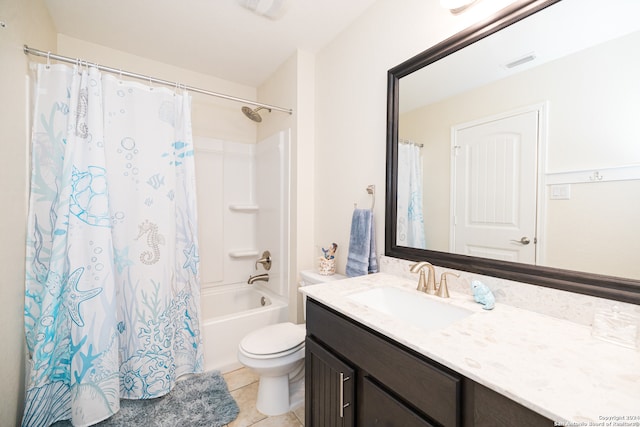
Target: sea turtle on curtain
{"points": [[89, 198]]}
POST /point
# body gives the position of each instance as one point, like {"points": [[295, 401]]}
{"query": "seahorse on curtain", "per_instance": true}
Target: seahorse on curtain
{"points": [[154, 240]]}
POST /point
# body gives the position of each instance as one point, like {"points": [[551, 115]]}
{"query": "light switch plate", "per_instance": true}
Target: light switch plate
{"points": [[561, 192]]}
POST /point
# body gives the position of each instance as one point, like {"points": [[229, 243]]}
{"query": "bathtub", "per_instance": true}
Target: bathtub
{"points": [[229, 313]]}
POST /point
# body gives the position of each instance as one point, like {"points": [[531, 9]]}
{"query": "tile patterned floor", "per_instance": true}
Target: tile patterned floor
{"points": [[243, 385]]}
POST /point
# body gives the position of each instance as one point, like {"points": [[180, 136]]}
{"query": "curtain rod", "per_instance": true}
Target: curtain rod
{"points": [[31, 51], [409, 142]]}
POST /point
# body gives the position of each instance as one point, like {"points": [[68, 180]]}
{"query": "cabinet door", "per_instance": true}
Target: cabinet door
{"points": [[495, 410], [329, 384], [380, 409]]}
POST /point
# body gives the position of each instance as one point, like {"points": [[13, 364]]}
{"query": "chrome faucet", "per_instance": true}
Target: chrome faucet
{"points": [[264, 277], [428, 285], [443, 290]]}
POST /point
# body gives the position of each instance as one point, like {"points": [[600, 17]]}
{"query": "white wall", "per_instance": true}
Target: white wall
{"points": [[27, 22], [351, 95]]}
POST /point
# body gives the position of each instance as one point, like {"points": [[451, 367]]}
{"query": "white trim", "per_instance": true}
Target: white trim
{"points": [[619, 173], [541, 202]]}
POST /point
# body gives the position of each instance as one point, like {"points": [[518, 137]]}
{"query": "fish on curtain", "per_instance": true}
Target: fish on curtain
{"points": [[410, 226], [112, 282]]}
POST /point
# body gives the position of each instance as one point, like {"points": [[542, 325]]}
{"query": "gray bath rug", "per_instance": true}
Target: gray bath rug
{"points": [[200, 401]]}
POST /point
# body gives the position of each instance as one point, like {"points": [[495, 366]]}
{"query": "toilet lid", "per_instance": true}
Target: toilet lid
{"points": [[273, 339]]}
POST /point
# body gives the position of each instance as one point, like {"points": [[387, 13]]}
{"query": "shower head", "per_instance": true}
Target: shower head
{"points": [[253, 114]]}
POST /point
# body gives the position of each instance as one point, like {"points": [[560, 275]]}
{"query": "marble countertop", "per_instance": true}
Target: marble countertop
{"points": [[552, 366]]}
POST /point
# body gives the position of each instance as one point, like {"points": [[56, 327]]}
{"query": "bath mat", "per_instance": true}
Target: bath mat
{"points": [[201, 400]]}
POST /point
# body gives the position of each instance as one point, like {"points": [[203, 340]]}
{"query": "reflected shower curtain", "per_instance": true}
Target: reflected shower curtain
{"points": [[112, 287], [410, 218]]}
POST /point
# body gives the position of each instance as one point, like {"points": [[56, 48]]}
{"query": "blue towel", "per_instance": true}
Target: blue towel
{"points": [[362, 244]]}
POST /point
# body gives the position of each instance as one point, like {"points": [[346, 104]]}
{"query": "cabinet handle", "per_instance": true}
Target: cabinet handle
{"points": [[342, 405]]}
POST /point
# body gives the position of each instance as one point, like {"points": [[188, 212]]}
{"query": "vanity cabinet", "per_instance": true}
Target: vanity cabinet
{"points": [[332, 388], [378, 382]]}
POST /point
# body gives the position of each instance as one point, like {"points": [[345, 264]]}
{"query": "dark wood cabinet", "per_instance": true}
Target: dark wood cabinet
{"points": [[380, 409], [389, 384], [332, 388], [492, 409]]}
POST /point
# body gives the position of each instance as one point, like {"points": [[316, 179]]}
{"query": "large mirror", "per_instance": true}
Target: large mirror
{"points": [[513, 149]]}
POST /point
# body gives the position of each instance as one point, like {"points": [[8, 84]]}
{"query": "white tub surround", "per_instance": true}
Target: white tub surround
{"points": [[549, 365], [243, 208]]}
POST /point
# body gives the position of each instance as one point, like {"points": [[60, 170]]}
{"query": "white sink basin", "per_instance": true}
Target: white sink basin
{"points": [[411, 306]]}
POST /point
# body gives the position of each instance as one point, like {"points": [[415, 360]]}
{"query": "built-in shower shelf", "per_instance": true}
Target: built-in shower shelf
{"points": [[244, 208], [244, 254]]}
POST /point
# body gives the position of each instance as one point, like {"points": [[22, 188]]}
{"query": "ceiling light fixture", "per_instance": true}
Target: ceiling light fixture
{"points": [[520, 61], [456, 6], [272, 9]]}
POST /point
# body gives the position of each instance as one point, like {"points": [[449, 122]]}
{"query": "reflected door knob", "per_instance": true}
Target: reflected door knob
{"points": [[524, 241]]}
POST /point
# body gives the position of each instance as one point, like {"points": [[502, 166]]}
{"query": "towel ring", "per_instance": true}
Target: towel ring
{"points": [[371, 189]]}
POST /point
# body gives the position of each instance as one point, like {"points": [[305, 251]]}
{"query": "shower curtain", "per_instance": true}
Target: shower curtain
{"points": [[410, 218], [112, 287]]}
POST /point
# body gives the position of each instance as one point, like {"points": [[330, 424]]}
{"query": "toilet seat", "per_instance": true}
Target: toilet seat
{"points": [[273, 341]]}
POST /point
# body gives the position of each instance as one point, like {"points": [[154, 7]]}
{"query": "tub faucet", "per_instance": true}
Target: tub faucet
{"points": [[264, 277], [428, 285]]}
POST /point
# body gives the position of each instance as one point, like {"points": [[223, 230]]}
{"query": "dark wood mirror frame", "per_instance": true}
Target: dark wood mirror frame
{"points": [[615, 288]]}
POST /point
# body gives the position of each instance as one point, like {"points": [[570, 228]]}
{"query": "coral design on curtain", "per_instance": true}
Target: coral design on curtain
{"points": [[112, 286], [410, 217]]}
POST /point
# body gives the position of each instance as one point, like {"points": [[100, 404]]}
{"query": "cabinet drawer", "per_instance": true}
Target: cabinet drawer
{"points": [[433, 390], [382, 410]]}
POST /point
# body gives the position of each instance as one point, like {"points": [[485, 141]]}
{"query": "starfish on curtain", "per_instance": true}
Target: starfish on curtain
{"points": [[192, 258], [75, 297]]}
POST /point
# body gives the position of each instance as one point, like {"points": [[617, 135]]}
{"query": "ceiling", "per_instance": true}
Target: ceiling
{"points": [[547, 35], [215, 37]]}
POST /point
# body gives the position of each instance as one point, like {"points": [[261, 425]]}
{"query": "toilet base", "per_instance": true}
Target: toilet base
{"points": [[273, 395], [276, 396]]}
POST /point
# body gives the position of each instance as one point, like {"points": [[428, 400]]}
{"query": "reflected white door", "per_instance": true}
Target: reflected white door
{"points": [[494, 179]]}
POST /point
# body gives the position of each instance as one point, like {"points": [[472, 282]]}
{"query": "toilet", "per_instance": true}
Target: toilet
{"points": [[276, 354]]}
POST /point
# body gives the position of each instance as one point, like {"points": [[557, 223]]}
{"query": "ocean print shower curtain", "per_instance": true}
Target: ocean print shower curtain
{"points": [[410, 213], [112, 287]]}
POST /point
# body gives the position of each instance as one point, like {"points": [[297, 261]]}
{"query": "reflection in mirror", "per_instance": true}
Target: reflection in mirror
{"points": [[524, 146]]}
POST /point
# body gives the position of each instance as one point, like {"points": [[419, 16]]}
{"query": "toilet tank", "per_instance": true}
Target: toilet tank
{"points": [[311, 277]]}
